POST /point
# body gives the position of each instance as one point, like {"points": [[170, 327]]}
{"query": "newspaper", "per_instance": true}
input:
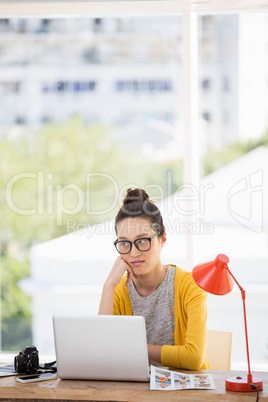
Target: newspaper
{"points": [[166, 380], [7, 369]]}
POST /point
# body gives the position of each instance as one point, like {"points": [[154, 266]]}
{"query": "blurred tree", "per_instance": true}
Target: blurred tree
{"points": [[69, 171], [15, 311]]}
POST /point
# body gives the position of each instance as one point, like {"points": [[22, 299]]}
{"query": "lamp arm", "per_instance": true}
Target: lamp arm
{"points": [[243, 294]]}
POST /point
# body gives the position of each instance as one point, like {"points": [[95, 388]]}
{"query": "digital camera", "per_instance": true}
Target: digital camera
{"points": [[27, 361]]}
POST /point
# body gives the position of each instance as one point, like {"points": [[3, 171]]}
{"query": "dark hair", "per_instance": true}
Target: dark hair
{"points": [[137, 204]]}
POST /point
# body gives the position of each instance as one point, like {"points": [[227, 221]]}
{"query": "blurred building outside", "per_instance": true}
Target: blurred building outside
{"points": [[127, 74]]}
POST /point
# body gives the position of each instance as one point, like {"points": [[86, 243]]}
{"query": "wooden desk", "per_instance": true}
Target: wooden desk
{"points": [[66, 390]]}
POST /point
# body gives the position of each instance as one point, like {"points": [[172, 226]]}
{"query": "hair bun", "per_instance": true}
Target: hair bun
{"points": [[137, 204], [135, 195]]}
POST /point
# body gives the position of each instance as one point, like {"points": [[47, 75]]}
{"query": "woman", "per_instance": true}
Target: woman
{"points": [[174, 307]]}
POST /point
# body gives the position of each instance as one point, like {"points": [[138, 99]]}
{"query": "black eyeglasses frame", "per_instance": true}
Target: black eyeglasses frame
{"points": [[134, 242]]}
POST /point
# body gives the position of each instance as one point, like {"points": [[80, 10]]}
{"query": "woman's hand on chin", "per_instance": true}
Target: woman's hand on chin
{"points": [[119, 268]]}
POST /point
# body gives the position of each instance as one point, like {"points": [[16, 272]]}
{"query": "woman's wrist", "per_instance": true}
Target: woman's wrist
{"points": [[154, 353], [109, 284]]}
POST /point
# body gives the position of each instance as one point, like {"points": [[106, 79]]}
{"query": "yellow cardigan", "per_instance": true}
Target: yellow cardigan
{"points": [[190, 313]]}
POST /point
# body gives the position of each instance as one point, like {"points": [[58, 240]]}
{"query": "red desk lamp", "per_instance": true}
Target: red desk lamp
{"points": [[215, 277]]}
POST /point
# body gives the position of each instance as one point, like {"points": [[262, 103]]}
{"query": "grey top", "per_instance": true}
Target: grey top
{"points": [[157, 309]]}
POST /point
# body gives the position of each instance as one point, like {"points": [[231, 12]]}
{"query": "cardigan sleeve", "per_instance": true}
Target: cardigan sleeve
{"points": [[122, 304], [190, 313]]}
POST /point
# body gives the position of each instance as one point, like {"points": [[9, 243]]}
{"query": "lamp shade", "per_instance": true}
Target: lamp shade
{"points": [[214, 276]]}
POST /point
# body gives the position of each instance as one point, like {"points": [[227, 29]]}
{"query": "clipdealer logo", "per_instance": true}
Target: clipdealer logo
{"points": [[53, 198], [244, 200]]}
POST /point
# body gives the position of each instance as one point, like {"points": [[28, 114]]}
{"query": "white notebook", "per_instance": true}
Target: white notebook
{"points": [[102, 347]]}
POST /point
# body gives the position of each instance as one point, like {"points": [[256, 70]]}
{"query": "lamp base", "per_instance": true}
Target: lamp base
{"points": [[241, 384]]}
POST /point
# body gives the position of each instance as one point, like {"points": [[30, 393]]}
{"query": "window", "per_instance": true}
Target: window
{"points": [[84, 102], [70, 119]]}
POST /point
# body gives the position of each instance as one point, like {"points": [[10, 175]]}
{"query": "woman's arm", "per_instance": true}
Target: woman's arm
{"points": [[107, 298]]}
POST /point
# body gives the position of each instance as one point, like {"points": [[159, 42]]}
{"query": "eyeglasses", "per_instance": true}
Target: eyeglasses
{"points": [[142, 244]]}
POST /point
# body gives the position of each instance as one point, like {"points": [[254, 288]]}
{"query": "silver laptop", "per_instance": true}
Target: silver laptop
{"points": [[101, 347]]}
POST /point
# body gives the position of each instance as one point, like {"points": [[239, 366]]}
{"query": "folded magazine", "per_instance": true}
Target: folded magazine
{"points": [[167, 380]]}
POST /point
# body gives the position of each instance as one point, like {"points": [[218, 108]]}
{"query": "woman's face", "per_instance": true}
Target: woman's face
{"points": [[142, 262]]}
